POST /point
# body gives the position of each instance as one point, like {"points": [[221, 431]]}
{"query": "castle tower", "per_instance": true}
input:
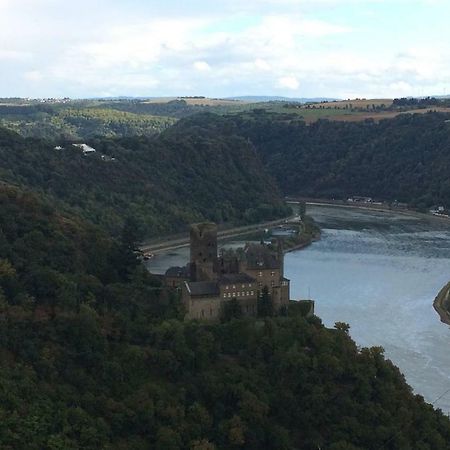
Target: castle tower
{"points": [[203, 237], [280, 256]]}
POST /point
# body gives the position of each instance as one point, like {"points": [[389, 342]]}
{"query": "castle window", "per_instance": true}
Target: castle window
{"points": [[226, 287], [272, 283], [248, 293], [229, 294], [234, 287], [260, 284], [249, 285], [252, 292], [260, 274], [272, 273], [234, 294], [243, 286], [225, 295]]}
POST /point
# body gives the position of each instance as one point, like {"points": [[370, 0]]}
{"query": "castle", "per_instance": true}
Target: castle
{"points": [[209, 281]]}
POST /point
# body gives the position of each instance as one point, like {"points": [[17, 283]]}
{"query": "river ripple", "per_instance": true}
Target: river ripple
{"points": [[380, 272]]}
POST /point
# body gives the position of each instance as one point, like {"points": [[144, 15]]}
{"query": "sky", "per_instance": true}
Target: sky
{"points": [[294, 48]]}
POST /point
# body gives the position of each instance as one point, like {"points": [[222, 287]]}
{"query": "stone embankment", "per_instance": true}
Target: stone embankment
{"points": [[441, 302]]}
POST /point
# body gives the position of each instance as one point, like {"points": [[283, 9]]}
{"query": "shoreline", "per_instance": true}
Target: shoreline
{"points": [[368, 207], [439, 302], [302, 245]]}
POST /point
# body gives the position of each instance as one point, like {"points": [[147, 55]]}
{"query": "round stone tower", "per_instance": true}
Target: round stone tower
{"points": [[203, 237]]}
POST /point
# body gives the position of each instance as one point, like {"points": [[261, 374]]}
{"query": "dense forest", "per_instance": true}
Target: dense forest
{"points": [[406, 158], [186, 174], [93, 355]]}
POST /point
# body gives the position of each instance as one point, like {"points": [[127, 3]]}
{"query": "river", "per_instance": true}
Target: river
{"points": [[378, 272]]}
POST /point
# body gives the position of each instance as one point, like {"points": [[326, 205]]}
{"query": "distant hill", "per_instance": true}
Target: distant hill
{"points": [[78, 120], [268, 98], [405, 158]]}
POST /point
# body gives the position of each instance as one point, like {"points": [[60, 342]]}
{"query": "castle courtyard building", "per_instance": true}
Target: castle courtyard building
{"points": [[209, 281]]}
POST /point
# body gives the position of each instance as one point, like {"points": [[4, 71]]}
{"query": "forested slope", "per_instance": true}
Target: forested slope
{"points": [[405, 159], [93, 355], [187, 174], [222, 168]]}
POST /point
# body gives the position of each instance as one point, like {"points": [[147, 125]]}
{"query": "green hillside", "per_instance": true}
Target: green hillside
{"points": [[78, 120], [406, 158], [93, 355], [186, 174]]}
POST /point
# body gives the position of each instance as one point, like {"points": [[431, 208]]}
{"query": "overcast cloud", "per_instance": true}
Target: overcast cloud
{"points": [[336, 48]]}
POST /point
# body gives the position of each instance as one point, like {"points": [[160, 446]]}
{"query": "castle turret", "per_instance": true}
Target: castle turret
{"points": [[203, 237]]}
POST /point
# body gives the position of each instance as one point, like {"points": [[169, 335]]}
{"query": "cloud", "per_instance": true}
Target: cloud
{"points": [[14, 55], [312, 47], [402, 88], [289, 82], [33, 76], [202, 66]]}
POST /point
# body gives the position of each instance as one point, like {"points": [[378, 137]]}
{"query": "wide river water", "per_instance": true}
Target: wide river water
{"points": [[380, 273]]}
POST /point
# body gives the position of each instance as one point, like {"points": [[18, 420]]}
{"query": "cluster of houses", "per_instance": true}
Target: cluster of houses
{"points": [[86, 150]]}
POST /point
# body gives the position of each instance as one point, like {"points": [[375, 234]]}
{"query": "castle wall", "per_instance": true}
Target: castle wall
{"points": [[174, 282], [264, 277], [204, 308], [210, 308], [280, 295]]}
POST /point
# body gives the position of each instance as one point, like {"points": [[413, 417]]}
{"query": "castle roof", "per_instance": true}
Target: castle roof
{"points": [[202, 288], [259, 256], [236, 278]]}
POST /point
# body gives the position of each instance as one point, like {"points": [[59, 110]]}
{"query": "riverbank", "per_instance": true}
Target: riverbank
{"points": [[370, 208], [440, 303]]}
